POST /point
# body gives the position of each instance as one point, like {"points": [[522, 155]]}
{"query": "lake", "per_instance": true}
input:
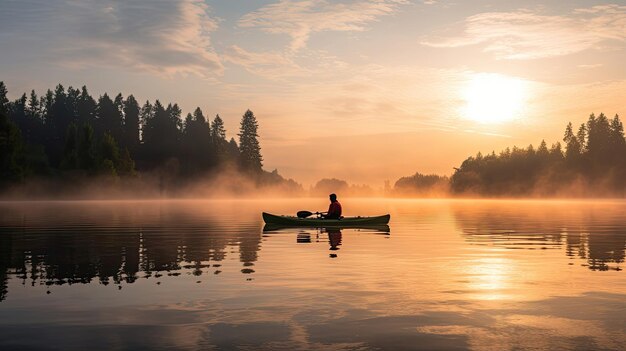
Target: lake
{"points": [[197, 275]]}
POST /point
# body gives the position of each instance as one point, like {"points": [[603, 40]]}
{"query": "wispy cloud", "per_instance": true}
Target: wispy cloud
{"points": [[299, 19], [529, 35], [165, 37], [270, 65], [591, 65]]}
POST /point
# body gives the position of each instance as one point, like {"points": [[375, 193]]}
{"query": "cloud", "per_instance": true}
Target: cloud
{"points": [[524, 34], [299, 19], [270, 65], [591, 65], [160, 36]]}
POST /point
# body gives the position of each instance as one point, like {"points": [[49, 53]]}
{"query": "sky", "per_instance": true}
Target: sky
{"points": [[365, 91]]}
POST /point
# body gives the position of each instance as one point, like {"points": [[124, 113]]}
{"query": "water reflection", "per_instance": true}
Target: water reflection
{"points": [[454, 275], [381, 229], [84, 244], [334, 239], [332, 235], [595, 233]]}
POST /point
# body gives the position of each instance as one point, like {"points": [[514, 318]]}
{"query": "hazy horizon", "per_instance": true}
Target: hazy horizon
{"points": [[338, 86]]}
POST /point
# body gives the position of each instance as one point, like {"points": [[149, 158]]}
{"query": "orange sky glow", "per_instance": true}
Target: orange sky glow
{"points": [[365, 91]]}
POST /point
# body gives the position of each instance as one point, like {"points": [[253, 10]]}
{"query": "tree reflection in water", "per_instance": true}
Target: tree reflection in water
{"points": [[597, 235], [78, 251]]}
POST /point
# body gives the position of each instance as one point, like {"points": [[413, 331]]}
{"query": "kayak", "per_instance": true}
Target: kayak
{"points": [[321, 222]]}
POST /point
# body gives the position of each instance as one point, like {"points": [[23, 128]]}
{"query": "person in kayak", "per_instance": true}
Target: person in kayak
{"points": [[334, 210]]}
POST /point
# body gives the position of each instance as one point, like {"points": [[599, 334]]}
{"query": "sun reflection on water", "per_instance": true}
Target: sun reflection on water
{"points": [[490, 277]]}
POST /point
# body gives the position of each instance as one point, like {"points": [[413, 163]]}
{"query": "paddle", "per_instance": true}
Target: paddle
{"points": [[305, 214]]}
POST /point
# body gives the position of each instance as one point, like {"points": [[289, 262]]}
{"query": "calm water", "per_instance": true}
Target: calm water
{"points": [[189, 275]]}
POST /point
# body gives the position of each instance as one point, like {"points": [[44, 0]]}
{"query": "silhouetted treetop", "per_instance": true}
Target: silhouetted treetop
{"points": [[594, 163], [249, 148], [4, 101]]}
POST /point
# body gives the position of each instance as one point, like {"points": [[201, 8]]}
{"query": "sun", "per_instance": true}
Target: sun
{"points": [[493, 98]]}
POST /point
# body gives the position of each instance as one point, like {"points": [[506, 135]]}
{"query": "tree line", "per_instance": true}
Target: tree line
{"points": [[68, 134], [593, 164], [68, 131]]}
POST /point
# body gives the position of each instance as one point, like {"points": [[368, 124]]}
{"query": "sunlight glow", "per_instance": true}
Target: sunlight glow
{"points": [[490, 277], [493, 98]]}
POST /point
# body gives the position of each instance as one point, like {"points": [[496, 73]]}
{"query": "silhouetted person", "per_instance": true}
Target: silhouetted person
{"points": [[334, 210]]}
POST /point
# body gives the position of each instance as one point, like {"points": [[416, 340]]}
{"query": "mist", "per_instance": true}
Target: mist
{"points": [[163, 183], [230, 183]]}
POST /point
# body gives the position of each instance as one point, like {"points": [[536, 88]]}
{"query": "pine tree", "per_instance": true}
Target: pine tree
{"points": [[174, 113], [110, 116], [249, 148], [198, 116], [72, 103], [145, 115], [4, 101], [47, 102], [218, 132], [131, 123], [581, 137], [86, 107], [34, 111], [617, 133], [218, 137], [33, 131], [188, 124], [119, 103], [571, 143], [598, 138], [60, 113]]}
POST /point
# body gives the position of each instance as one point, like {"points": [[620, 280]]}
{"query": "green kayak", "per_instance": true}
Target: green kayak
{"points": [[320, 222]]}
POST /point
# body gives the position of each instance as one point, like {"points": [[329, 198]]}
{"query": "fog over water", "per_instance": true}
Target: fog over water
{"points": [[206, 274]]}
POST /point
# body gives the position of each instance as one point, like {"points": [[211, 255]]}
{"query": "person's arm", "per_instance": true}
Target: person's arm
{"points": [[327, 213]]}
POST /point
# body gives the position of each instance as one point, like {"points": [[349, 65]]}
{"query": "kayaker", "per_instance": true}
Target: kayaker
{"points": [[334, 210]]}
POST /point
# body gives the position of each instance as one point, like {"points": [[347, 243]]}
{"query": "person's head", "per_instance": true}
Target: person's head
{"points": [[333, 197]]}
